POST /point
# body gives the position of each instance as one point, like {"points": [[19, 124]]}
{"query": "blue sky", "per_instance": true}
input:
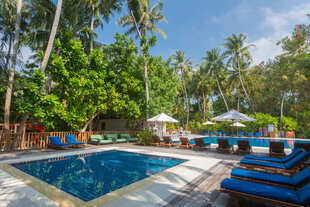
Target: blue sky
{"points": [[195, 26]]}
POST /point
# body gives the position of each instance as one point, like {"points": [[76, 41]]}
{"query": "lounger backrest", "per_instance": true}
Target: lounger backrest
{"points": [[257, 134], [155, 138], [71, 138], [223, 142], [299, 158], [302, 177], [219, 133], [96, 136], [243, 144], [211, 132], [55, 140], [124, 135], [184, 140], [304, 194], [250, 134], [291, 156], [167, 140], [276, 146], [235, 133], [111, 136], [241, 133], [199, 142], [305, 146]]}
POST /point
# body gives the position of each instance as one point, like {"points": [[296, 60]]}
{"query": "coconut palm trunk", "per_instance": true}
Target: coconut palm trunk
{"points": [[52, 36], [204, 105], [186, 97], [8, 95], [9, 53], [218, 85], [241, 81], [92, 25]]}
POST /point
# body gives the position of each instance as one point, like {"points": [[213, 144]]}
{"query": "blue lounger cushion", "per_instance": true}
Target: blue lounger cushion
{"points": [[272, 159], [57, 141], [300, 157], [301, 196], [71, 140], [295, 181]]}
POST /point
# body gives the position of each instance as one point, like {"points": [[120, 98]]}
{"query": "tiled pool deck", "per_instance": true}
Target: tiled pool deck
{"points": [[195, 183]]}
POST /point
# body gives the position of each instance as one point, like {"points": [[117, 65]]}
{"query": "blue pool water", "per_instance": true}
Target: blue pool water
{"points": [[88, 176], [257, 142]]}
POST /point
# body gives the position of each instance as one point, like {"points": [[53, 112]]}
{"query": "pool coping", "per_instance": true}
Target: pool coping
{"points": [[123, 196]]}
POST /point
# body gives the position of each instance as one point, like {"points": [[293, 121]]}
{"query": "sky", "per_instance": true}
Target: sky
{"points": [[195, 26]]}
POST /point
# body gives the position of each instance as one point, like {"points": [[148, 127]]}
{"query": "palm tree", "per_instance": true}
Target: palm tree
{"points": [[8, 94], [214, 66], [142, 19], [235, 49], [52, 36], [183, 66]]}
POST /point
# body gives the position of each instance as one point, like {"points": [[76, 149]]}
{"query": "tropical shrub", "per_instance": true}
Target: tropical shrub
{"points": [[145, 137], [289, 124]]}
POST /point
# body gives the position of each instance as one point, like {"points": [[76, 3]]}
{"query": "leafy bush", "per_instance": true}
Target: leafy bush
{"points": [[145, 137], [289, 123], [262, 121]]}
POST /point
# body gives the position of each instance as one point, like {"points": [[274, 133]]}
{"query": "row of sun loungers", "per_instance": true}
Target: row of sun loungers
{"points": [[183, 143], [55, 142], [100, 139], [290, 188], [240, 134]]}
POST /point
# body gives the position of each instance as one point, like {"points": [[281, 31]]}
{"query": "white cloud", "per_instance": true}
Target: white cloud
{"points": [[280, 24]]}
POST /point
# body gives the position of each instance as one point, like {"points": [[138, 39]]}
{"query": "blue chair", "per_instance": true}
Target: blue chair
{"points": [[272, 159], [241, 134], [250, 134], [258, 134], [205, 133], [235, 133], [55, 142], [266, 193], [71, 140], [273, 179], [211, 133], [225, 133], [288, 167], [219, 133]]}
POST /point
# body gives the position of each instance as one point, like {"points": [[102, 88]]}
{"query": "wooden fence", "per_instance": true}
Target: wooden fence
{"points": [[38, 140]]}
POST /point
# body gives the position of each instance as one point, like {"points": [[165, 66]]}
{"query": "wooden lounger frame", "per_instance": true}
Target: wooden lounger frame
{"points": [[187, 145], [237, 196], [167, 142], [223, 145], [158, 143], [201, 145], [276, 149], [242, 143], [59, 147], [78, 145]]}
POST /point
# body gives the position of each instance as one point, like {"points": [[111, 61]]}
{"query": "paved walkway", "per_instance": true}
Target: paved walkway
{"points": [[202, 191]]}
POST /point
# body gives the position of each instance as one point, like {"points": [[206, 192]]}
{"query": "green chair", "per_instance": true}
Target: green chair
{"points": [[112, 137], [128, 137], [99, 139]]}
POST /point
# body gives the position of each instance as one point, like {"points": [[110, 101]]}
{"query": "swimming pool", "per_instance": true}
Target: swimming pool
{"points": [[257, 142], [89, 176]]}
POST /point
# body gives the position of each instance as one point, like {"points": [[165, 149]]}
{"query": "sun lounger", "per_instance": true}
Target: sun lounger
{"points": [[250, 134], [200, 144], [235, 134], [276, 149], [185, 143], [223, 145], [99, 139], [273, 159], [239, 189], [128, 137], [219, 133], [211, 133], [205, 133], [55, 142], [294, 182], [156, 141], [244, 146], [289, 167], [241, 134], [225, 133], [258, 134], [302, 145], [168, 142], [71, 140]]}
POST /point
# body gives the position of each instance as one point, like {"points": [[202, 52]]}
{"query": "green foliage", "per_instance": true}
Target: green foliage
{"points": [[145, 137], [262, 121], [289, 124]]}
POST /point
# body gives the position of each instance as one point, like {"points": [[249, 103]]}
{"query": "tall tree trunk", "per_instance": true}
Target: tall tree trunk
{"points": [[92, 25], [87, 123], [186, 97], [52, 36], [144, 59], [8, 94], [20, 129], [246, 94], [218, 85], [8, 55], [238, 103], [204, 105], [306, 126], [281, 115]]}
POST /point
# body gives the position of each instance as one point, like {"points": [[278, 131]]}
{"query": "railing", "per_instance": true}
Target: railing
{"points": [[38, 140]]}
